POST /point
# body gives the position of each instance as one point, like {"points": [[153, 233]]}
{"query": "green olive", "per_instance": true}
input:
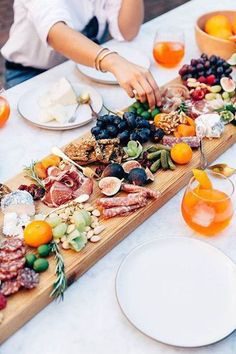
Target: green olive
{"points": [[30, 259], [146, 115], [155, 111], [44, 250], [40, 265], [137, 105]]}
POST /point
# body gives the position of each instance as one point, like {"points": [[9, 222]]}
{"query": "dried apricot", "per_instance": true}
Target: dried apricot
{"points": [[51, 160], [40, 170]]}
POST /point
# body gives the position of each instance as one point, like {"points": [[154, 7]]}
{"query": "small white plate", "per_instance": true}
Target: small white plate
{"points": [[134, 55], [179, 291], [28, 107]]}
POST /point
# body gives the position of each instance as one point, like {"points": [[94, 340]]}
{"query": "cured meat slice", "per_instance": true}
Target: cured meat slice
{"points": [[11, 244], [85, 188], [7, 276], [131, 199], [10, 256], [192, 141], [131, 188], [10, 287], [28, 278], [57, 195], [121, 210], [12, 266]]}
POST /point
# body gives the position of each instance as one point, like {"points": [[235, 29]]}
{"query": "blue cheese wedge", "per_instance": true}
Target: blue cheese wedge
{"points": [[209, 126], [19, 202], [60, 93]]}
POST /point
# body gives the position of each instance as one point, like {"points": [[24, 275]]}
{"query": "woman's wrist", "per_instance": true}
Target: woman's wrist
{"points": [[109, 62]]}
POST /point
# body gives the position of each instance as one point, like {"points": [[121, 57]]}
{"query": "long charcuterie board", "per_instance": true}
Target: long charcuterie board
{"points": [[25, 304]]}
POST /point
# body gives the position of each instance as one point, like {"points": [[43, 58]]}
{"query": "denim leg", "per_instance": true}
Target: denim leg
{"points": [[14, 77]]}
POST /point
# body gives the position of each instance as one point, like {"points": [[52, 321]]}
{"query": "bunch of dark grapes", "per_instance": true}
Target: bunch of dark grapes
{"points": [[143, 160], [36, 191], [208, 70]]}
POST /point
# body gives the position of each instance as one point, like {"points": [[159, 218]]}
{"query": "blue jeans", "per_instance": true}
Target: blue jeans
{"points": [[16, 76]]}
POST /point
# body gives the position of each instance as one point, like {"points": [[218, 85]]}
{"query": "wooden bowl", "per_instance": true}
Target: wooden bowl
{"points": [[213, 45]]}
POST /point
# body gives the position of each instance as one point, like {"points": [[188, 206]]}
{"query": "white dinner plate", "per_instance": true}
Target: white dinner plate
{"points": [[179, 291], [28, 107], [134, 55]]}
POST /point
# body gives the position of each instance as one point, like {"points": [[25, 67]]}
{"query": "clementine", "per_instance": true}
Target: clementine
{"points": [[37, 233], [181, 153]]}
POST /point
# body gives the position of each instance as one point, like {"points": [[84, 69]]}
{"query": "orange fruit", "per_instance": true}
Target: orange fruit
{"points": [[234, 25], [202, 177], [51, 160], [4, 111], [37, 233], [40, 170], [217, 22], [181, 153], [222, 33]]}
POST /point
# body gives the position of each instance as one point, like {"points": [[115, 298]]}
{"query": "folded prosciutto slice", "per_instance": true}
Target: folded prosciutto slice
{"points": [[63, 185]]}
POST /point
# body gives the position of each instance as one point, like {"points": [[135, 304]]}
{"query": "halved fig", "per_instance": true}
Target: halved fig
{"points": [[150, 176], [129, 165], [109, 185], [227, 84]]}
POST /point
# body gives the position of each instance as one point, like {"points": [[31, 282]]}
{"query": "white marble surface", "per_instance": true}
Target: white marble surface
{"points": [[89, 320]]}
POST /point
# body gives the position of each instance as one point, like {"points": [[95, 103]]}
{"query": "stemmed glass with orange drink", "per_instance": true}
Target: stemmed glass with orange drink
{"points": [[4, 108], [169, 48], [207, 206]]}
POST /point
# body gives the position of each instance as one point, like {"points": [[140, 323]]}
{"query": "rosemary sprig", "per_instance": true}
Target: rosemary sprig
{"points": [[30, 173], [182, 107], [60, 284]]}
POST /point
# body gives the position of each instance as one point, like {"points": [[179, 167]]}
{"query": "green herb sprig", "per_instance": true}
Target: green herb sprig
{"points": [[30, 173], [60, 284]]}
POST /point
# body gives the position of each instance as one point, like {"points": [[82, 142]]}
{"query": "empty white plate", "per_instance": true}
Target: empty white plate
{"points": [[134, 55], [28, 107], [179, 291]]}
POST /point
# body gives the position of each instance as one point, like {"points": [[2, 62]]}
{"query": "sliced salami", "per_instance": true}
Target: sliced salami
{"points": [[6, 256], [131, 199], [10, 287], [11, 244], [131, 188], [121, 210], [7, 275], [28, 278], [12, 266]]}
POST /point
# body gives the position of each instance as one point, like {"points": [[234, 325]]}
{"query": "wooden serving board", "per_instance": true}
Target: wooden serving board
{"points": [[25, 304]]}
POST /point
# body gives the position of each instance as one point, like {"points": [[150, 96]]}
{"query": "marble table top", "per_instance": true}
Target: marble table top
{"points": [[89, 321]]}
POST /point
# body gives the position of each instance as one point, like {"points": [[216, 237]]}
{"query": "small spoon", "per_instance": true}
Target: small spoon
{"points": [[81, 99], [87, 171], [87, 100], [223, 169]]}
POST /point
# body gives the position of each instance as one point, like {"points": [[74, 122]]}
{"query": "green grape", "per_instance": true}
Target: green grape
{"points": [[59, 231], [54, 220]]}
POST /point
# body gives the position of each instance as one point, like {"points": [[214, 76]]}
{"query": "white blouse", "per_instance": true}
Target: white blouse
{"points": [[27, 43]]}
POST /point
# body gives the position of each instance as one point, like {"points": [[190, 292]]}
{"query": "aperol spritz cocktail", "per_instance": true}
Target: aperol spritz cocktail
{"points": [[208, 210], [4, 108], [168, 48]]}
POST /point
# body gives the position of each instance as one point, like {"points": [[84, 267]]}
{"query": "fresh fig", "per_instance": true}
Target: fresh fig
{"points": [[129, 165], [137, 176], [114, 170], [150, 176], [227, 84], [109, 185]]}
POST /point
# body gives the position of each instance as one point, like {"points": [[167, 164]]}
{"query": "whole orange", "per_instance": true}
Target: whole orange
{"points": [[37, 233], [181, 153], [217, 22]]}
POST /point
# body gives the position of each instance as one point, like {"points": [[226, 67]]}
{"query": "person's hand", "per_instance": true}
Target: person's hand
{"points": [[133, 79]]}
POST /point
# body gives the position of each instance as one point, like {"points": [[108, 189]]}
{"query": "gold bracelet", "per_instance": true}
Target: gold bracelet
{"points": [[98, 54], [100, 59]]}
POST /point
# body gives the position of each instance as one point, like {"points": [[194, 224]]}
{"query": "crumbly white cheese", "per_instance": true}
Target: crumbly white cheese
{"points": [[57, 112], [19, 202], [61, 93], [209, 126]]}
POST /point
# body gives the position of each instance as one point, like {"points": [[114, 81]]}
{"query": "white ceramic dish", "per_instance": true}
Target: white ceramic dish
{"points": [[28, 107], [132, 54], [179, 291]]}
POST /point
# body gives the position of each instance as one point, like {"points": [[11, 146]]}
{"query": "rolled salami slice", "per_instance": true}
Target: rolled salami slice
{"points": [[132, 199], [10, 287], [131, 188], [121, 210]]}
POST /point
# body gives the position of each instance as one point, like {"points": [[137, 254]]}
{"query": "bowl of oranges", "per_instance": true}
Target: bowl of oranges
{"points": [[215, 33]]}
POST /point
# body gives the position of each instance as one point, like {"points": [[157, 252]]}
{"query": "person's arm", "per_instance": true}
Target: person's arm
{"points": [[130, 18], [80, 49]]}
